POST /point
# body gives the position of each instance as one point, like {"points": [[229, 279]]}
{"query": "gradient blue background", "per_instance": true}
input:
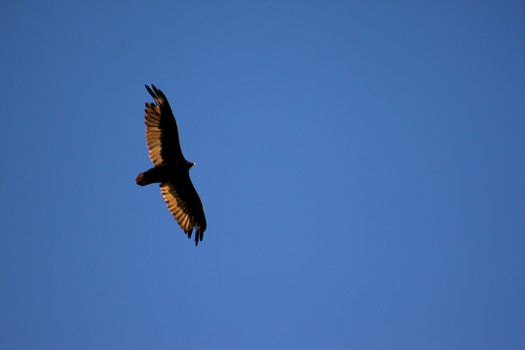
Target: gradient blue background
{"points": [[361, 164]]}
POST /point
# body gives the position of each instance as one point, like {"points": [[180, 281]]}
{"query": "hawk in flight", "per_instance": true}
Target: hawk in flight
{"points": [[170, 168]]}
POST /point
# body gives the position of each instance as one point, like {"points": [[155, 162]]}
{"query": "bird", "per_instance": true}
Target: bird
{"points": [[170, 168]]}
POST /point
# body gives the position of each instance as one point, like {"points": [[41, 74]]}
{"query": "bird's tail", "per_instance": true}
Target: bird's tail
{"points": [[142, 180], [153, 175]]}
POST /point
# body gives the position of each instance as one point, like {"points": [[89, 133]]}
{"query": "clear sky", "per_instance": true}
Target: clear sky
{"points": [[361, 165]]}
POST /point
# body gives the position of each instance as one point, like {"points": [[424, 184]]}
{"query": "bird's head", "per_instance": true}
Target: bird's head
{"points": [[189, 165]]}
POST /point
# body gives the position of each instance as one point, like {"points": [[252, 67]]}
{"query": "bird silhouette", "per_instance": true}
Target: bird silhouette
{"points": [[170, 168]]}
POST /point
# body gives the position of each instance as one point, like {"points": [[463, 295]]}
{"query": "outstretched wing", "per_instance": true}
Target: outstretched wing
{"points": [[162, 135], [185, 205]]}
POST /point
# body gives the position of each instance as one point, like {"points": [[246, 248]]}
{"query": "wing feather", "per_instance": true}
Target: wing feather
{"points": [[185, 205], [162, 135]]}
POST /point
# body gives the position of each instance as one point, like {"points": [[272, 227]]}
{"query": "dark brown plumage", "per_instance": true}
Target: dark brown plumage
{"points": [[171, 169]]}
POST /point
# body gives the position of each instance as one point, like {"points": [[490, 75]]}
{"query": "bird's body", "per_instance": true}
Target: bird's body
{"points": [[171, 169], [163, 173]]}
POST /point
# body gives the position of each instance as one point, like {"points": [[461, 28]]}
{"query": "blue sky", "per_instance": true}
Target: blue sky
{"points": [[361, 166]]}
